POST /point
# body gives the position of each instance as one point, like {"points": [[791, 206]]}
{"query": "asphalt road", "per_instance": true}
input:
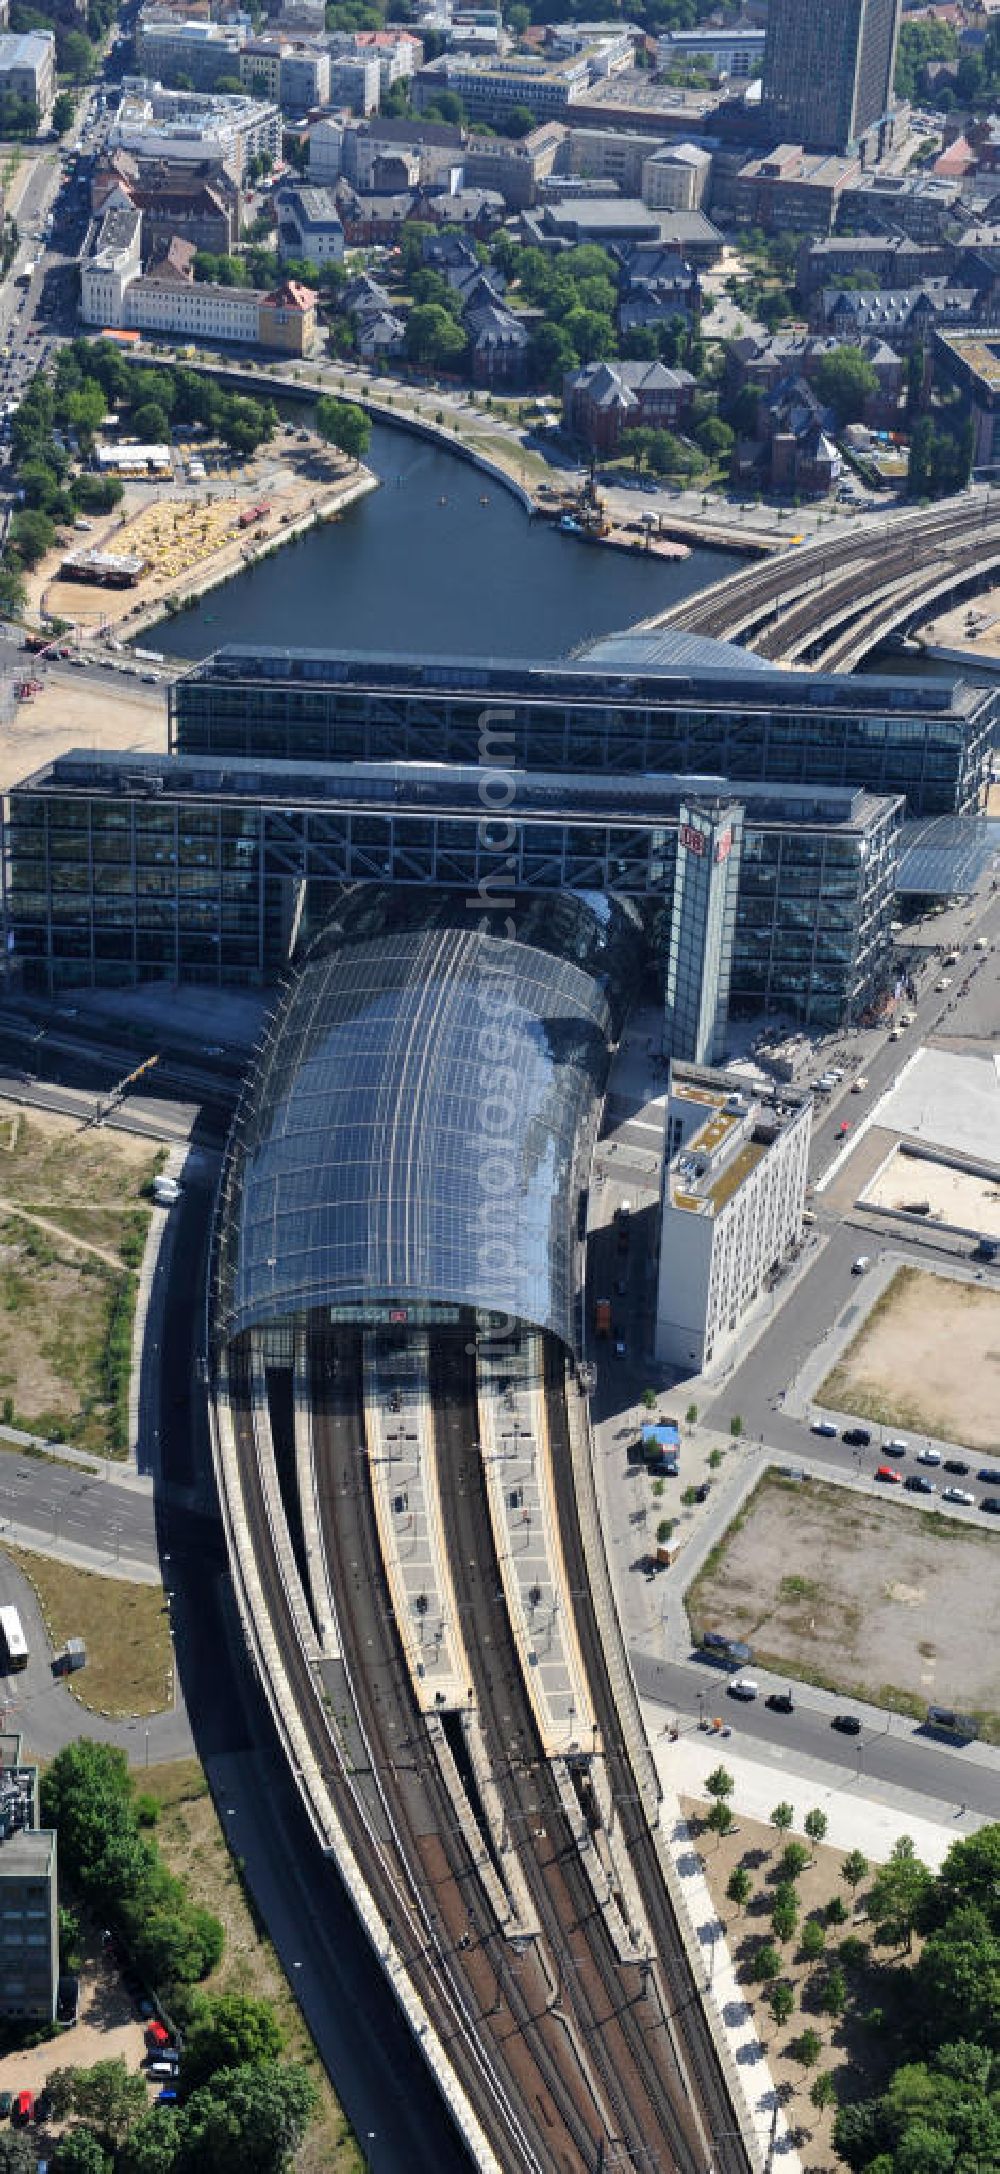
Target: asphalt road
{"points": [[65, 1505], [890, 1750]]}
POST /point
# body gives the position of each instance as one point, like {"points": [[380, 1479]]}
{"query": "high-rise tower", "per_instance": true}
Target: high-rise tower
{"points": [[828, 70]]}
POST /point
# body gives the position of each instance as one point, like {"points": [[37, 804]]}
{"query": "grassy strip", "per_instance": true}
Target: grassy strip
{"points": [[130, 1662], [194, 1846]]}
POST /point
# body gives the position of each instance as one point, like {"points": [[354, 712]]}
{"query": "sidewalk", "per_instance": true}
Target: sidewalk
{"points": [[857, 1818]]}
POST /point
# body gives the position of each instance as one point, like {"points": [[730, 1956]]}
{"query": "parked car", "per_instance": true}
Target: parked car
{"points": [[824, 1427], [989, 1475], [67, 1997], [957, 1494], [6, 2102], [24, 2106], [894, 1449], [933, 1456], [162, 2071], [43, 2105], [848, 1724], [991, 1504], [957, 1465], [781, 1702], [166, 2097], [157, 2033], [916, 1484], [886, 1473], [744, 1687], [863, 1261], [858, 1085], [857, 1437]]}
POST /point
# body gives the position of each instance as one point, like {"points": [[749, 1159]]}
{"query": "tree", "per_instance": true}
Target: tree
{"points": [[79, 2152], [720, 1819], [736, 1426], [782, 1817], [815, 1824], [110, 2097], [781, 2001], [76, 56], [739, 1886], [519, 121], [13, 593], [957, 1978], [62, 112], [344, 425], [823, 2092], [844, 380], [785, 1912], [899, 1893], [813, 1940], [691, 1416], [551, 356], [835, 1912], [155, 2145], [60, 2083], [714, 437], [833, 1998], [17, 2154], [807, 2048], [970, 1873], [150, 424], [229, 2030], [32, 535], [854, 1869], [432, 338], [765, 1964], [719, 1783], [249, 2120]]}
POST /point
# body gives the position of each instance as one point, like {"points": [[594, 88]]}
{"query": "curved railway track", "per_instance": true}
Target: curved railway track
{"points": [[508, 2002], [607, 2004], [687, 2017], [566, 2053]]}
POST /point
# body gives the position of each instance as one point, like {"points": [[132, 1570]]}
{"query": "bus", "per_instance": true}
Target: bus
{"points": [[13, 1643]]}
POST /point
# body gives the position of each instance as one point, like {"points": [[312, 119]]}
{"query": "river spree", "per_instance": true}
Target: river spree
{"points": [[424, 565]]}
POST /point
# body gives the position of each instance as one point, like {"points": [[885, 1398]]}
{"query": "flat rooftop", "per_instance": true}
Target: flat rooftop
{"points": [[621, 667], [732, 1137], [447, 787]]}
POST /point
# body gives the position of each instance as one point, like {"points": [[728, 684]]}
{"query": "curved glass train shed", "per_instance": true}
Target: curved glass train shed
{"points": [[410, 1144]]}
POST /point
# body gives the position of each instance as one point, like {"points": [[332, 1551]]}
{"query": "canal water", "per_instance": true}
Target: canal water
{"points": [[424, 565]]}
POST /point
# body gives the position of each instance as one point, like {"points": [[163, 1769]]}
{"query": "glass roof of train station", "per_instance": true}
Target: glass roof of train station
{"points": [[410, 1136]]}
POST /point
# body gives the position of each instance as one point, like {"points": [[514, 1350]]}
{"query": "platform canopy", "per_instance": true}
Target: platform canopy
{"points": [[412, 1142]]}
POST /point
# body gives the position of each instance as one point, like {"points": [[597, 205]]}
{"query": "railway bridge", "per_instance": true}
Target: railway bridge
{"points": [[824, 606], [402, 1446]]}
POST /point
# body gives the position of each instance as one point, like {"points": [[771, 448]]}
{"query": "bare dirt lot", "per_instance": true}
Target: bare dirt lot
{"points": [[870, 1598], [73, 711], [928, 1358], [72, 1231]]}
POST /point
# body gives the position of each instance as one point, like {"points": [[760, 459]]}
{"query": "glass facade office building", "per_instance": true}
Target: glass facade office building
{"points": [[129, 868], [631, 705]]}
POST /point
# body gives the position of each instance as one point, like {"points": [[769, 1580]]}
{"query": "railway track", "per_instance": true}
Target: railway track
{"points": [[527, 2106], [609, 2005], [772, 604], [687, 2018]]}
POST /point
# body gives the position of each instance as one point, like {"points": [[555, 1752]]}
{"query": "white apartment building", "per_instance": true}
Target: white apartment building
{"points": [[28, 69], [734, 1181], [185, 128], [111, 263], [675, 177], [202, 51], [326, 150]]}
